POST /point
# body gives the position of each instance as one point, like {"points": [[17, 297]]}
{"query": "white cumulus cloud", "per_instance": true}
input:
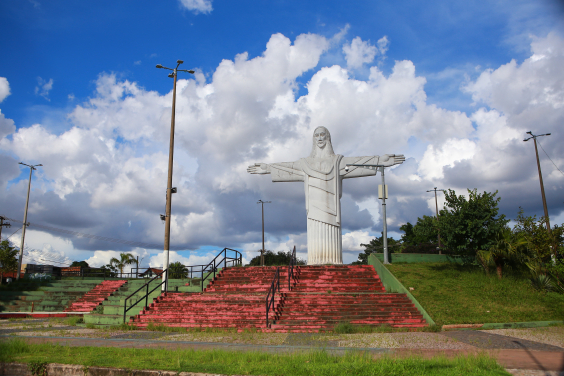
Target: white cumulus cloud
{"points": [[43, 87], [359, 52], [197, 6], [4, 88]]}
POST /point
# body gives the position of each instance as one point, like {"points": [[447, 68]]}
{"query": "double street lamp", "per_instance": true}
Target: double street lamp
{"points": [[170, 190], [31, 168], [383, 195]]}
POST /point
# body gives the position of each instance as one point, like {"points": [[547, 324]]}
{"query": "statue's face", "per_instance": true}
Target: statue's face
{"points": [[320, 137]]}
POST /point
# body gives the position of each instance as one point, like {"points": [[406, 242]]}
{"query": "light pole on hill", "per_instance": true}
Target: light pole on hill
{"points": [[31, 168], [262, 250], [437, 209], [169, 189], [534, 137]]}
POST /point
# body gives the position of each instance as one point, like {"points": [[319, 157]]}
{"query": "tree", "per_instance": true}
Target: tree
{"points": [[376, 245], [537, 238], [421, 238], [82, 264], [8, 258], [469, 225], [537, 249], [177, 270], [275, 259], [124, 259], [504, 249]]}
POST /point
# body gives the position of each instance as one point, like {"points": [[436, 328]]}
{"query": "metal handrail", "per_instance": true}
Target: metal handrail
{"points": [[291, 267], [146, 296], [270, 298], [238, 260]]}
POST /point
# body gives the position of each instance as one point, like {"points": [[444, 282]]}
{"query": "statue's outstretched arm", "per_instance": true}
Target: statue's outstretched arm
{"points": [[259, 168], [391, 159]]}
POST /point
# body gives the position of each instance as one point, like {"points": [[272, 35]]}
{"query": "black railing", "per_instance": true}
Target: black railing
{"points": [[212, 266], [146, 296], [271, 292], [291, 268]]}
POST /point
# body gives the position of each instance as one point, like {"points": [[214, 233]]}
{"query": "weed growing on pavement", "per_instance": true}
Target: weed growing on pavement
{"points": [[123, 326], [73, 320], [166, 329]]}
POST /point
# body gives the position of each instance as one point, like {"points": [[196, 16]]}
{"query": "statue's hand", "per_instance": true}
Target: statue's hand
{"points": [[259, 168], [392, 159]]}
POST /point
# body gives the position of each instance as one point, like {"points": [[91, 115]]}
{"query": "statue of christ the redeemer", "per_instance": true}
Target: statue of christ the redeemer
{"points": [[323, 173]]}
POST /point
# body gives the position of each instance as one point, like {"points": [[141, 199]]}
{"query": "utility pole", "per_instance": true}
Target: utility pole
{"points": [[170, 190], [437, 209], [534, 137], [262, 250], [25, 224], [2, 224]]}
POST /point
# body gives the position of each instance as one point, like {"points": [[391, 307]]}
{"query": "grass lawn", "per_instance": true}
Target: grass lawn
{"points": [[243, 363], [454, 294]]}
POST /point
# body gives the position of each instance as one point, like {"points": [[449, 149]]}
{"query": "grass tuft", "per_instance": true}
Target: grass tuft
{"points": [[319, 363], [73, 320]]}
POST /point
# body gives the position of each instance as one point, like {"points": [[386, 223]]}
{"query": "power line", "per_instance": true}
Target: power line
{"points": [[550, 158], [97, 237], [13, 232]]}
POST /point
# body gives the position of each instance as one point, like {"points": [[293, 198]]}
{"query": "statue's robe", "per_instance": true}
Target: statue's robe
{"points": [[323, 178]]}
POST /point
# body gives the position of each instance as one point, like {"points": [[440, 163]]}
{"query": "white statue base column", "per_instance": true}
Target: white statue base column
{"points": [[324, 243]]}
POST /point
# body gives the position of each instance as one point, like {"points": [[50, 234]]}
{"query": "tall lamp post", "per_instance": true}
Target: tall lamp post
{"points": [[31, 168], [534, 137], [383, 195], [437, 209], [262, 250], [169, 189]]}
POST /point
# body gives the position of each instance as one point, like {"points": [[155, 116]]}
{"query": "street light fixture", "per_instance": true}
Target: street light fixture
{"points": [[170, 190], [262, 250], [383, 195], [437, 209], [25, 224]]}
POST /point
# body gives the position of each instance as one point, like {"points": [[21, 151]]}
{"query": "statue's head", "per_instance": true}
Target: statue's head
{"points": [[322, 146]]}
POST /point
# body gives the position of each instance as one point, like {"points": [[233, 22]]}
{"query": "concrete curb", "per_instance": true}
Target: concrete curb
{"points": [[510, 325], [54, 369]]}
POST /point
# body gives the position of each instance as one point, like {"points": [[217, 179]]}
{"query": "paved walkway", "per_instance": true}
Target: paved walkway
{"points": [[523, 353]]}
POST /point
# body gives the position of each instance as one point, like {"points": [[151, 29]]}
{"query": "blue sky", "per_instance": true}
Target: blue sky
{"points": [[81, 95]]}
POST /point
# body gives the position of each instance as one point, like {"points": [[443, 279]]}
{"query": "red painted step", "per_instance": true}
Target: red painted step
{"points": [[321, 297], [96, 296]]}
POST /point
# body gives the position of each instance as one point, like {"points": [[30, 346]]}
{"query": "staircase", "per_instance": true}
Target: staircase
{"points": [[320, 298], [328, 295], [110, 312], [234, 299], [96, 296], [53, 296]]}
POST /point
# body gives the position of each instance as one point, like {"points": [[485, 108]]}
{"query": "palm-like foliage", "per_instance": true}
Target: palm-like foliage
{"points": [[124, 259], [504, 249], [177, 270]]}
